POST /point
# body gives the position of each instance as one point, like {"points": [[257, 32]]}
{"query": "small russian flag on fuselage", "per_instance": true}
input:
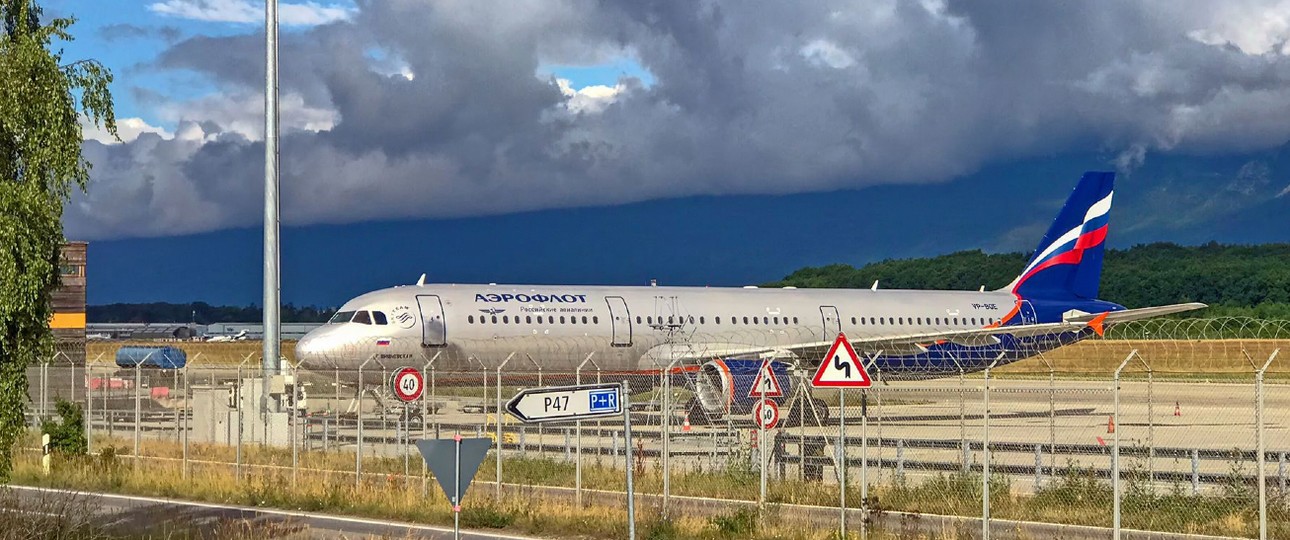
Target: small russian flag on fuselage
{"points": [[383, 342]]}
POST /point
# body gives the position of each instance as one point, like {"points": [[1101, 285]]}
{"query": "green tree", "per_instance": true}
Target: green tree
{"points": [[67, 434], [42, 103]]}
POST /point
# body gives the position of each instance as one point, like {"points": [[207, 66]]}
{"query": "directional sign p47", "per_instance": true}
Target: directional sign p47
{"points": [[841, 368]]}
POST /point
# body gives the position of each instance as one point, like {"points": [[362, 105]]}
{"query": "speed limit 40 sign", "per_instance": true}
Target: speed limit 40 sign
{"points": [[407, 384]]}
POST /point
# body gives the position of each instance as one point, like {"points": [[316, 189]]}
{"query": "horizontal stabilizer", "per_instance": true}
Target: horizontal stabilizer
{"points": [[1127, 315]]}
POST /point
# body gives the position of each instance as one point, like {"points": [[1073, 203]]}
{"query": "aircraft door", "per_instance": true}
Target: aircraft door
{"points": [[832, 322], [1027, 312], [621, 320], [434, 330]]}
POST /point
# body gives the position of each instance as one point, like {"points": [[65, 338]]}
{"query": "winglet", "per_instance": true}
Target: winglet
{"points": [[1098, 324], [421, 281], [875, 285]]}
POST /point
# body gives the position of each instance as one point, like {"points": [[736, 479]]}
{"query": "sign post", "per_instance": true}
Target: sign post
{"points": [[582, 402], [841, 368], [448, 459]]}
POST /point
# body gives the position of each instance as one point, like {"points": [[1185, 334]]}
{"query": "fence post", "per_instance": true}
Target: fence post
{"points": [[1262, 451], [577, 427], [666, 425], [187, 407], [138, 406], [1115, 448], [497, 416], [358, 446], [425, 418], [294, 410], [1195, 472], [237, 467], [985, 452]]}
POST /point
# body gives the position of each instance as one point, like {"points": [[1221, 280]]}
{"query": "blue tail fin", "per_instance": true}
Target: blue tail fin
{"points": [[1068, 262]]}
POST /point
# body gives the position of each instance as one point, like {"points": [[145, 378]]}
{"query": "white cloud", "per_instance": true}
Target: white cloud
{"points": [[243, 113], [243, 11], [1253, 27], [827, 53], [593, 98], [128, 129]]}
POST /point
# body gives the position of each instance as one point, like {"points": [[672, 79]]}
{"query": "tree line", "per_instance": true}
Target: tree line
{"points": [[1235, 280], [199, 313]]}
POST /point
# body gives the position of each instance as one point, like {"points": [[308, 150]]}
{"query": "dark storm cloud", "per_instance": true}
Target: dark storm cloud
{"points": [[420, 109]]}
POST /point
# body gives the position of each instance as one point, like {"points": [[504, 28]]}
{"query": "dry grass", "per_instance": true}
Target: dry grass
{"points": [[395, 498], [327, 480]]}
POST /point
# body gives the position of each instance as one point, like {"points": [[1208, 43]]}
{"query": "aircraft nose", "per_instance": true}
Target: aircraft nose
{"points": [[312, 349]]}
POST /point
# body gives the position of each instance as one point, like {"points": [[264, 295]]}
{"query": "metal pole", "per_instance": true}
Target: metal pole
{"points": [[1262, 454], [358, 447], [1115, 449], [295, 428], [272, 303], [497, 416], [985, 454], [456, 495], [239, 389], [667, 440], [425, 419], [577, 426], [627, 438], [187, 407], [761, 455], [137, 410], [842, 461], [89, 414]]}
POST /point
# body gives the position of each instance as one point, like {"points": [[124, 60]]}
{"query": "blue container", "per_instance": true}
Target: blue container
{"points": [[151, 357]]}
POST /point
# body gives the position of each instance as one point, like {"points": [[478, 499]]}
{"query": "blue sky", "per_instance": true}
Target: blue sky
{"points": [[718, 143]]}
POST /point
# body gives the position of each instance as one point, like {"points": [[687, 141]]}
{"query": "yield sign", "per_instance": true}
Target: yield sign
{"points": [[454, 463], [841, 368], [766, 385]]}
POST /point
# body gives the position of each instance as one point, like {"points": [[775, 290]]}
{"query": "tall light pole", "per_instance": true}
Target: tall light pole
{"points": [[272, 303]]}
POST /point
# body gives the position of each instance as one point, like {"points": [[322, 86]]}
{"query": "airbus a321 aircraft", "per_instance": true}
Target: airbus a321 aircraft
{"points": [[715, 339]]}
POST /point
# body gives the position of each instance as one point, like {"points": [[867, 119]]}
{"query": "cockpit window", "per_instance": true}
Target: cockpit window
{"points": [[341, 317], [362, 317], [378, 317]]}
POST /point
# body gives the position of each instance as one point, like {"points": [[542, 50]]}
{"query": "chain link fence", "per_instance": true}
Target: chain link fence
{"points": [[1168, 426]]}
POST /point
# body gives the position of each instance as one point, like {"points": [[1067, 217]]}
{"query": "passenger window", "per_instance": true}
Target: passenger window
{"points": [[562, 319], [528, 319], [973, 321], [494, 319], [701, 319], [595, 320], [716, 320], [470, 319], [745, 320], [794, 320], [506, 319], [691, 319], [638, 319], [649, 320], [573, 320], [765, 320], [900, 321], [362, 317], [378, 317]]}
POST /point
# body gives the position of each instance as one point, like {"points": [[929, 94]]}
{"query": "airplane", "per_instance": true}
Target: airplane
{"points": [[240, 336], [716, 338]]}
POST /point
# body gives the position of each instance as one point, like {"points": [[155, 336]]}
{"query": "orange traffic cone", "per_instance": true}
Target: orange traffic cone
{"points": [[1177, 409], [1110, 424], [686, 425]]}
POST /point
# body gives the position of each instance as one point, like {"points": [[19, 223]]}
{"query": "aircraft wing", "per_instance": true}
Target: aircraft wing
{"points": [[914, 343]]}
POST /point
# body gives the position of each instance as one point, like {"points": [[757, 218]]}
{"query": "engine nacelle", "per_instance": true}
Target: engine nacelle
{"points": [[722, 386]]}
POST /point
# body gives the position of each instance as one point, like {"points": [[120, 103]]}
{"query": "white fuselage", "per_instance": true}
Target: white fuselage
{"points": [[465, 327]]}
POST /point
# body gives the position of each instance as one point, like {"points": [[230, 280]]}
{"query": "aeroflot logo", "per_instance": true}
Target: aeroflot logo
{"points": [[557, 298]]}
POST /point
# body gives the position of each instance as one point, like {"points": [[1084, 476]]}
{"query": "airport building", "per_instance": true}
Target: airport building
{"points": [[68, 302]]}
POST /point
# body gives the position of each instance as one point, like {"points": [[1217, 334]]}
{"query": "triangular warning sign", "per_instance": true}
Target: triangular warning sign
{"points": [[766, 384], [841, 368], [441, 457]]}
